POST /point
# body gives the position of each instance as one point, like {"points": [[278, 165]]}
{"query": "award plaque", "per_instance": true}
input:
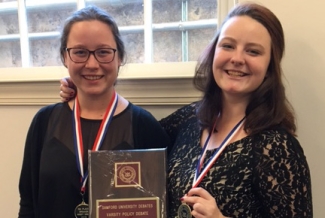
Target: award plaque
{"points": [[127, 183]]}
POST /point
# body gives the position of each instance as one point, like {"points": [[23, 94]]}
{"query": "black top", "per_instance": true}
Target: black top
{"points": [[266, 175], [50, 181]]}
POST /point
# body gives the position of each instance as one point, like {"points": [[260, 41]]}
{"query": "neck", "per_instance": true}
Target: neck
{"points": [[233, 111], [94, 107], [234, 107]]}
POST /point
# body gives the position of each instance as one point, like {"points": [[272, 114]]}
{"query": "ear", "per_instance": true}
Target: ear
{"points": [[65, 60], [119, 63]]}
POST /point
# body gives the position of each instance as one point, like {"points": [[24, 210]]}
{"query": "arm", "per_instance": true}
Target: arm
{"points": [[282, 177], [25, 182], [28, 182]]}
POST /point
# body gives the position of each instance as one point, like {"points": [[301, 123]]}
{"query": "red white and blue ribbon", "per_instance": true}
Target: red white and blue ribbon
{"points": [[200, 174], [78, 143]]}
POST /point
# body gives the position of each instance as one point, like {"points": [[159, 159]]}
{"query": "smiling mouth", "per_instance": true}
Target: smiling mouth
{"points": [[235, 73], [93, 77]]}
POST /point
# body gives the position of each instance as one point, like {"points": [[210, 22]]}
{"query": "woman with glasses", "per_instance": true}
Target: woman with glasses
{"points": [[54, 172]]}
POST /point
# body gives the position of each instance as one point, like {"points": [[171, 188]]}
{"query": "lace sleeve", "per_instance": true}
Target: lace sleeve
{"points": [[282, 177], [172, 123]]}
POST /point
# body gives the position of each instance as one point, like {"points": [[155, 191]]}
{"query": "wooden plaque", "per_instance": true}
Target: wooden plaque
{"points": [[127, 183]]}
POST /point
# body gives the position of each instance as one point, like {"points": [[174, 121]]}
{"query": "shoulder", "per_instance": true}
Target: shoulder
{"points": [[182, 114], [40, 121], [182, 119], [140, 112], [46, 111], [275, 134], [187, 110], [143, 118], [147, 131], [277, 142]]}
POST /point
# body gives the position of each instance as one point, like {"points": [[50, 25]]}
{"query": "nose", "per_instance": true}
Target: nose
{"points": [[92, 61], [238, 58]]}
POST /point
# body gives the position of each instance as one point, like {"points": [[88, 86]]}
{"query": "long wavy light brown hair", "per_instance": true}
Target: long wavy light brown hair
{"points": [[268, 105]]}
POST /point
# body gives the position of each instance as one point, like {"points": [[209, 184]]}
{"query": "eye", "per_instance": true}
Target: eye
{"points": [[104, 51], [79, 52], [253, 52], [227, 46]]}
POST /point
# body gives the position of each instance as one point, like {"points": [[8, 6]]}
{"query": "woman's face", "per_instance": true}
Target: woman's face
{"points": [[242, 56], [92, 77]]}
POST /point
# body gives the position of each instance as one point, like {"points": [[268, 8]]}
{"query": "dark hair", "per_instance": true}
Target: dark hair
{"points": [[90, 13], [268, 105]]}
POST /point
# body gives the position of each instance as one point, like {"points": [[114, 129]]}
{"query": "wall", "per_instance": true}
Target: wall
{"points": [[305, 74]]}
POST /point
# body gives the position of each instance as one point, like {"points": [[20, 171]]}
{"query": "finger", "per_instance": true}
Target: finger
{"points": [[200, 192], [68, 90], [65, 95], [200, 209], [65, 99], [70, 83], [197, 214], [64, 82], [190, 200]]}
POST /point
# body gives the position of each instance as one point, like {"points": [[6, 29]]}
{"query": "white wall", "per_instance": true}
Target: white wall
{"points": [[304, 67], [13, 127]]}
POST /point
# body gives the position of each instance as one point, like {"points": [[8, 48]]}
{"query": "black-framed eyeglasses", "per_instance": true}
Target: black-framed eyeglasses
{"points": [[81, 55]]}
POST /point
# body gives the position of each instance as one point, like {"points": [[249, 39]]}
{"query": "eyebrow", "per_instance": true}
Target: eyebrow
{"points": [[248, 44]]}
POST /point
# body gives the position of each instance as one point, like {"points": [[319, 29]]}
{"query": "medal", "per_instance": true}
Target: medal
{"points": [[184, 211], [82, 210], [200, 173]]}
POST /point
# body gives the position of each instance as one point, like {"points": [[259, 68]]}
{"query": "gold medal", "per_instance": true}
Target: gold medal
{"points": [[82, 210], [184, 211]]}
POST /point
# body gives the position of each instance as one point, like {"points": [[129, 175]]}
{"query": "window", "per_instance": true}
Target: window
{"points": [[162, 47], [153, 30]]}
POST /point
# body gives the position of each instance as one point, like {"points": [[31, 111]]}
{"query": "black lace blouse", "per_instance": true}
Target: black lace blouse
{"points": [[262, 176]]}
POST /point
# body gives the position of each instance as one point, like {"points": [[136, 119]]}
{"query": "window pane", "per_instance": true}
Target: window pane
{"points": [[9, 37], [198, 41], [199, 10], [125, 12], [45, 52], [134, 45], [167, 46], [9, 22], [10, 54], [164, 11], [187, 29], [46, 20]]}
